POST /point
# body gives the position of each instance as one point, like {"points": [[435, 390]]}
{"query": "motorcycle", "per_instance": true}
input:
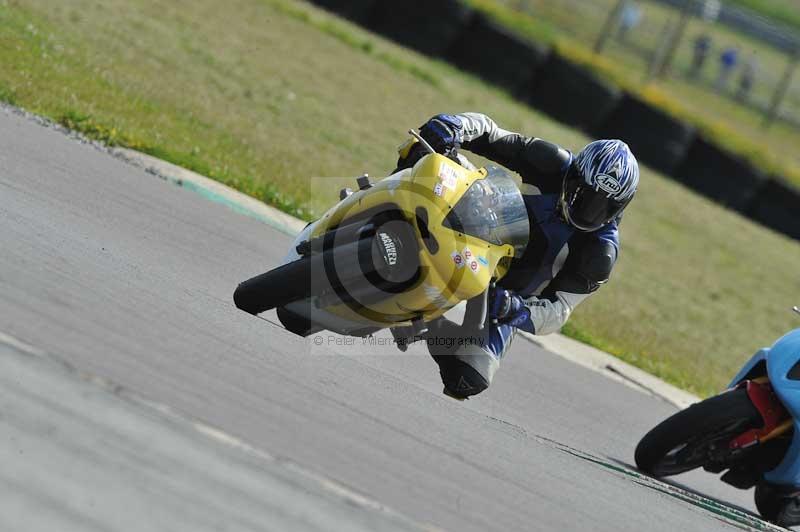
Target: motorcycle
{"points": [[398, 253], [747, 431]]}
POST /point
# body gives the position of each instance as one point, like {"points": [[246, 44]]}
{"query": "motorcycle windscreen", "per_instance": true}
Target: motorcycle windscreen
{"points": [[493, 210]]}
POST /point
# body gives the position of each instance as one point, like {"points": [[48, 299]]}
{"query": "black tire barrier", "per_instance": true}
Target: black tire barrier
{"points": [[777, 206], [655, 137], [356, 10], [496, 54], [428, 26], [719, 175], [572, 94]]}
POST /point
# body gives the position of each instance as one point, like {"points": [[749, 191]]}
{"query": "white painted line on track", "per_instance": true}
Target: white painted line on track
{"points": [[19, 345]]}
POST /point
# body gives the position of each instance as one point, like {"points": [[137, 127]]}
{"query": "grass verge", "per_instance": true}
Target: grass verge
{"points": [[287, 93]]}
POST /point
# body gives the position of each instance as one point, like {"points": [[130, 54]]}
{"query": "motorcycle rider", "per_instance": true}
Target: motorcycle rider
{"points": [[574, 205]]}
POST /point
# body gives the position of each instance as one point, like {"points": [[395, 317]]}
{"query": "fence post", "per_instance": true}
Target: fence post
{"points": [[608, 26], [677, 37], [782, 89], [657, 58]]}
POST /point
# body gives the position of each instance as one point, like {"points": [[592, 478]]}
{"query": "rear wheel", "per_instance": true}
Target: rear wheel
{"points": [[698, 435], [275, 288]]}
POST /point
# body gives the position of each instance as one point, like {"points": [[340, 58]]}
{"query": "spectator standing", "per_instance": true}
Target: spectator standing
{"points": [[728, 60], [702, 46], [630, 17], [748, 77]]}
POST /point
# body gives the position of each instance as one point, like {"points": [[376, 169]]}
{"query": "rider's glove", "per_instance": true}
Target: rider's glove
{"points": [[509, 308], [443, 133]]}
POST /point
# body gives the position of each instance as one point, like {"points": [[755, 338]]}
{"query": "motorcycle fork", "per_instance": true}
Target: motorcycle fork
{"points": [[776, 419]]}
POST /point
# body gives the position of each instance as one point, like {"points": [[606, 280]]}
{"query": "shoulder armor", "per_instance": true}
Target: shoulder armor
{"points": [[547, 157], [597, 259]]}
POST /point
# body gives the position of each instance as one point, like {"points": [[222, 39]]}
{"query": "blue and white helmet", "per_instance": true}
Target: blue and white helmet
{"points": [[599, 184]]}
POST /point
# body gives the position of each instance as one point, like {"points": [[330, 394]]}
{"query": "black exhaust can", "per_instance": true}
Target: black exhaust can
{"points": [[382, 259]]}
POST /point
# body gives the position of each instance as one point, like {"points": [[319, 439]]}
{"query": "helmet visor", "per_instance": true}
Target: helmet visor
{"points": [[585, 208]]}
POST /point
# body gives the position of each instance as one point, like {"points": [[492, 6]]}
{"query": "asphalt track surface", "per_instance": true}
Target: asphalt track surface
{"points": [[82, 454], [127, 277]]}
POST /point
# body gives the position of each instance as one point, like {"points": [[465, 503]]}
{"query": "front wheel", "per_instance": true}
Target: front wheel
{"points": [[697, 435], [276, 288], [778, 504]]}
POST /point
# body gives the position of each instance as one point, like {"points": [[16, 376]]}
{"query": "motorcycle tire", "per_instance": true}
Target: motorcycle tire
{"points": [[683, 441], [778, 504], [275, 288]]}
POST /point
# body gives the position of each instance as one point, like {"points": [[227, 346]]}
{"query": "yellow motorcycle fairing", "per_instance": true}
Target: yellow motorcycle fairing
{"points": [[458, 267]]}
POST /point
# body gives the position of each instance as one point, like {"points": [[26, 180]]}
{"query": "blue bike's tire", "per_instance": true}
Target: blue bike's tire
{"points": [[716, 419], [778, 504]]}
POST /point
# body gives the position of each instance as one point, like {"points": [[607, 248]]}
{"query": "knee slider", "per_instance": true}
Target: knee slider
{"points": [[460, 379]]}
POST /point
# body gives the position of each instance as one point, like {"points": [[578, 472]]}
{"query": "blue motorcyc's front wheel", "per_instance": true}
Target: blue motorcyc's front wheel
{"points": [[697, 436]]}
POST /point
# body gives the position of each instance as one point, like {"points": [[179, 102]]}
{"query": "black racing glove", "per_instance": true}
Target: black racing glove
{"points": [[444, 133], [509, 308]]}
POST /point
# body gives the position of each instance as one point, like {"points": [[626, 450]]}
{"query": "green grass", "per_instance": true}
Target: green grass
{"points": [[287, 103]]}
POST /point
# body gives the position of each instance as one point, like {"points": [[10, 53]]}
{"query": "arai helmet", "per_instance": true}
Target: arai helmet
{"points": [[599, 184]]}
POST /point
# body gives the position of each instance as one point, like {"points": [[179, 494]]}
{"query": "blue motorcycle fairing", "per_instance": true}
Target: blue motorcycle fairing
{"points": [[781, 357], [760, 355]]}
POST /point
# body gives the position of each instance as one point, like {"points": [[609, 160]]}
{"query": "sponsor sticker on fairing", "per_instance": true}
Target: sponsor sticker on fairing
{"points": [[458, 260], [448, 176], [469, 257], [483, 261], [438, 189]]}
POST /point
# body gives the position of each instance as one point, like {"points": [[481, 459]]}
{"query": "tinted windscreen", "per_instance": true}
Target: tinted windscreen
{"points": [[492, 209]]}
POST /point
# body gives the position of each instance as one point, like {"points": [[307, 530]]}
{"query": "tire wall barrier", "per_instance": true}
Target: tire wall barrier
{"points": [[777, 205], [655, 137], [356, 10], [497, 55], [574, 95], [428, 26], [719, 175]]}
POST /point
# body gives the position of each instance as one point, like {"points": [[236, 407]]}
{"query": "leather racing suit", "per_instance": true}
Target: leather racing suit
{"points": [[559, 269]]}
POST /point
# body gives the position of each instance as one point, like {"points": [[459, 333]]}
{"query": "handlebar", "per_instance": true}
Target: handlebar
{"points": [[422, 141]]}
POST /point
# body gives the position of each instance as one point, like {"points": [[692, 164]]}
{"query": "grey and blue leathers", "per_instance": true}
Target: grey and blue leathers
{"points": [[560, 267]]}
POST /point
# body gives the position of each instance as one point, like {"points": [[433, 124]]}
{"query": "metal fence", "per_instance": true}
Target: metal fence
{"points": [[705, 51]]}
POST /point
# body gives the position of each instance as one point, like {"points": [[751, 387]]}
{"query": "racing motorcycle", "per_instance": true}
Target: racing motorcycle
{"points": [[747, 431], [398, 253]]}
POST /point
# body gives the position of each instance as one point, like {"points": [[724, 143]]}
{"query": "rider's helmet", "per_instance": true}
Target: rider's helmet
{"points": [[599, 184]]}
